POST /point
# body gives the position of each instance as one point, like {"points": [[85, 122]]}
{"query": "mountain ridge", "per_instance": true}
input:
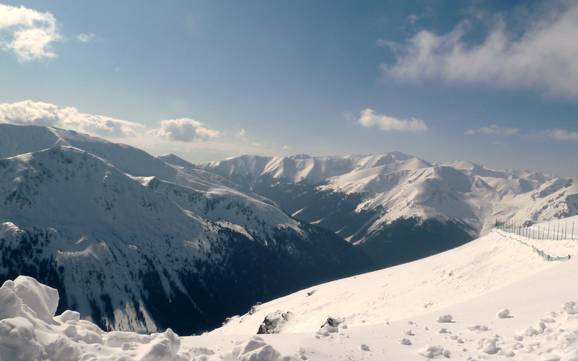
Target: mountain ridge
{"points": [[132, 251], [376, 200]]}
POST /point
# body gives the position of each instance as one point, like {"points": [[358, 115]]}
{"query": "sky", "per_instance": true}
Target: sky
{"points": [[494, 82]]}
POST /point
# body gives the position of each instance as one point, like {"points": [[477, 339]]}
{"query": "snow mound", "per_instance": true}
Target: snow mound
{"points": [[27, 297], [258, 350], [30, 331], [431, 352]]}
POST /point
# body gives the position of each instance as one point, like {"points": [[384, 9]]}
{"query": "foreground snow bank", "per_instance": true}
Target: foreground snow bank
{"points": [[30, 331]]}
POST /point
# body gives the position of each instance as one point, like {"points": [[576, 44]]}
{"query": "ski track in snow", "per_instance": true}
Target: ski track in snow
{"points": [[509, 304]]}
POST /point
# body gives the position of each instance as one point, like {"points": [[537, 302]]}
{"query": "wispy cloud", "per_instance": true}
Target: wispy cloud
{"points": [[243, 135], [184, 130], [369, 118], [85, 37], [556, 134], [28, 33], [39, 113], [562, 135], [493, 129], [544, 57]]}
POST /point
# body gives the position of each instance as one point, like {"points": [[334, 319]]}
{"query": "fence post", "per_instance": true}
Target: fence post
{"points": [[541, 233], [557, 231], [525, 231]]}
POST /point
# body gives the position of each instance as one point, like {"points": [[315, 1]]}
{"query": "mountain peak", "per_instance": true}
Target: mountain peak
{"points": [[174, 159]]}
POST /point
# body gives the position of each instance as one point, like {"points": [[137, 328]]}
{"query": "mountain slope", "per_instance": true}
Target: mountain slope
{"points": [[492, 299], [398, 207], [134, 252]]}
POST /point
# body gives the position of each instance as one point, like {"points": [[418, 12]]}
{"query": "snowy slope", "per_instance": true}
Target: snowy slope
{"points": [[122, 245], [489, 263], [505, 303]]}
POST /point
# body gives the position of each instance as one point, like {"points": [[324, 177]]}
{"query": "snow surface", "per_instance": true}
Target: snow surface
{"points": [[493, 298]]}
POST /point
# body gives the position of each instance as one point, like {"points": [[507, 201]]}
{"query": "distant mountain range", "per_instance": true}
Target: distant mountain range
{"points": [[133, 242], [143, 243], [398, 207]]}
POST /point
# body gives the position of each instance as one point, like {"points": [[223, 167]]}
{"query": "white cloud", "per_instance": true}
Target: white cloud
{"points": [[39, 113], [85, 37], [544, 57], [493, 129], [562, 135], [29, 112], [242, 133], [184, 130], [27, 32], [369, 118]]}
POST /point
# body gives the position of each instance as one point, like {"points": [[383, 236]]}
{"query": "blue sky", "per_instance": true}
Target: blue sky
{"points": [[489, 81]]}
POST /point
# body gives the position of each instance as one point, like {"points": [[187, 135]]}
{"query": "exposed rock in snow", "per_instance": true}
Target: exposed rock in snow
{"points": [[405, 341], [364, 347], [331, 325], [274, 322], [445, 319]]}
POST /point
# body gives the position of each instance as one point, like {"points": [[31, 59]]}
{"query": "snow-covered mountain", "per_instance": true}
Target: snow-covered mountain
{"points": [[135, 243], [495, 298], [397, 206]]}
